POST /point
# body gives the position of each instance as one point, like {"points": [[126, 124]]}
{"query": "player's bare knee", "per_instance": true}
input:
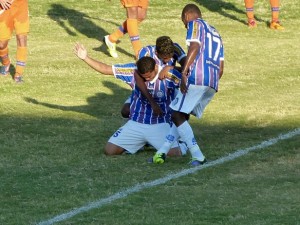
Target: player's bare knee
{"points": [[111, 149], [125, 111], [175, 152], [3, 44]]}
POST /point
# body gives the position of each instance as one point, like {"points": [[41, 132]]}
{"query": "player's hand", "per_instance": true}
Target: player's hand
{"points": [[156, 109], [164, 72], [5, 4], [183, 86], [80, 51]]}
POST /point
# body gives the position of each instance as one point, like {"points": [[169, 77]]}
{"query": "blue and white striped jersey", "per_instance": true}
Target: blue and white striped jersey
{"points": [[162, 91], [205, 69], [125, 73], [149, 50]]}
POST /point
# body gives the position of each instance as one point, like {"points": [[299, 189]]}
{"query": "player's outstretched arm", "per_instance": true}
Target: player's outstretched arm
{"points": [[81, 52]]}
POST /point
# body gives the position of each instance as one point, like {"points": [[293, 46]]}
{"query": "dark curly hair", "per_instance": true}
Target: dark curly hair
{"points": [[145, 64], [165, 46]]}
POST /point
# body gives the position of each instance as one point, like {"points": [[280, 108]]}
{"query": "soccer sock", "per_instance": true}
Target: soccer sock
{"points": [[187, 135], [171, 137], [21, 60], [275, 10], [4, 57], [249, 4], [115, 36], [132, 27]]}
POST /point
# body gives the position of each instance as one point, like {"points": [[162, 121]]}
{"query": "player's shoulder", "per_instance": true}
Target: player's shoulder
{"points": [[178, 49], [174, 76], [147, 51]]}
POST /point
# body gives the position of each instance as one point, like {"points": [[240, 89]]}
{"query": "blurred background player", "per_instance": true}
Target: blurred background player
{"points": [[274, 24], [136, 11], [15, 17], [199, 82]]}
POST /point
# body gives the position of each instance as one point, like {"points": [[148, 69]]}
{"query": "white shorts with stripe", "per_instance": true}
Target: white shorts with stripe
{"points": [[133, 136], [194, 101]]}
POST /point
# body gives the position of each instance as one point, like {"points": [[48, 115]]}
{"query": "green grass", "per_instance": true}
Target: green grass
{"points": [[55, 125]]}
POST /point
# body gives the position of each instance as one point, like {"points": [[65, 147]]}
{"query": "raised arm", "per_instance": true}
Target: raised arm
{"points": [[100, 67]]}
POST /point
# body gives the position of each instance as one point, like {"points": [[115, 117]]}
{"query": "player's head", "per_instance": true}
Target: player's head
{"points": [[164, 48], [146, 68], [190, 12]]}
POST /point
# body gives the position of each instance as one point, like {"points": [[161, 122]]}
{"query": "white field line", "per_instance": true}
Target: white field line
{"points": [[139, 187]]}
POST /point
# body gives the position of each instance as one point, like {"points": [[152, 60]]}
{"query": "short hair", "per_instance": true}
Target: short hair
{"points": [[165, 45], [191, 8], [145, 64]]}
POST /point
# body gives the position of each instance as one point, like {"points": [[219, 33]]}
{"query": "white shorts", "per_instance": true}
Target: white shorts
{"points": [[194, 101], [133, 136]]}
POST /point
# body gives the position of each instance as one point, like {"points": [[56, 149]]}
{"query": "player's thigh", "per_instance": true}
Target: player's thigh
{"points": [[207, 95], [130, 137], [186, 103], [6, 26]]}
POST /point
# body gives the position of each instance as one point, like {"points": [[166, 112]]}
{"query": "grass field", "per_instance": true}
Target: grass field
{"points": [[54, 126]]}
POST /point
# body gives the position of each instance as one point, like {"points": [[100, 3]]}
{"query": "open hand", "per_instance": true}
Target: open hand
{"points": [[80, 51]]}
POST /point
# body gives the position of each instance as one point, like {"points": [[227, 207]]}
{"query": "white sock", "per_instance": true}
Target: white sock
{"points": [[171, 137], [196, 153], [187, 135]]}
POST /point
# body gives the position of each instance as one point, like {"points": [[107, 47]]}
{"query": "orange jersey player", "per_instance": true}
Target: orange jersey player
{"points": [[14, 18], [274, 24], [136, 12]]}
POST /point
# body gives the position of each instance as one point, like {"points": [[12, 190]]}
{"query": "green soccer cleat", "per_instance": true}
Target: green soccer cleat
{"points": [[110, 46], [159, 158]]}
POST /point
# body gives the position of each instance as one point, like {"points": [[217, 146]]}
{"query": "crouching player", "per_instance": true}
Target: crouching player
{"points": [[144, 126]]}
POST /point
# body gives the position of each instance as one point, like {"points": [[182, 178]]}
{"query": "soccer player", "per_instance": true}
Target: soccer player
{"points": [[143, 127], [15, 17], [199, 82], [136, 12], [166, 55], [274, 24]]}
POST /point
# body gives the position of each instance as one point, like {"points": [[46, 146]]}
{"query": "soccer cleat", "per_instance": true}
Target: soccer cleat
{"points": [[18, 79], [196, 162], [159, 158], [275, 25], [252, 23], [110, 46], [4, 70]]}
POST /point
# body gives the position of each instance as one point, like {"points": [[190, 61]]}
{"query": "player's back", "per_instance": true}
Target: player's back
{"points": [[206, 67]]}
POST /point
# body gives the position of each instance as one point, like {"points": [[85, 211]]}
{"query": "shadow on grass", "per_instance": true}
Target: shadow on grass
{"points": [[225, 9], [82, 23], [98, 106]]}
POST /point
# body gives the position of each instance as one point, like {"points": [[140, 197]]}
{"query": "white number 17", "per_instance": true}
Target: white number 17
{"points": [[217, 40]]}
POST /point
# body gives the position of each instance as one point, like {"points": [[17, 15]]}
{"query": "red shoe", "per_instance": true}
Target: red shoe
{"points": [[252, 23]]}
